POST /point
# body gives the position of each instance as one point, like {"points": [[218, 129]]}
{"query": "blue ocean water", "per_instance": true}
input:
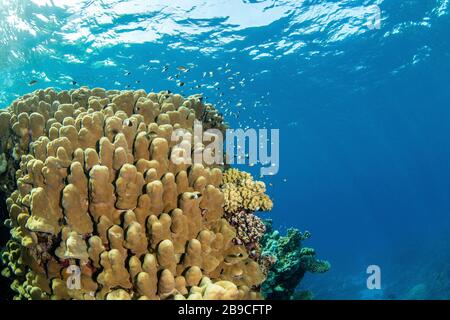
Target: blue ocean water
{"points": [[360, 91]]}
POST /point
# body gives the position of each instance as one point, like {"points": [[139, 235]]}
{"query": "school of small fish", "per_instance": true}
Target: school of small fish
{"points": [[219, 85]]}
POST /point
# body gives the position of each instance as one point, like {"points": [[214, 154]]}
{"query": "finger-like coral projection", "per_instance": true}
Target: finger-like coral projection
{"points": [[98, 211]]}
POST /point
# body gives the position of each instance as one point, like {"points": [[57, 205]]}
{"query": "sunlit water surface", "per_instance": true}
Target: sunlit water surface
{"points": [[363, 111]]}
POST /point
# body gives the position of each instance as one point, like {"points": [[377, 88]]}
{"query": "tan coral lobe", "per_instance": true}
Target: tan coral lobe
{"points": [[91, 184]]}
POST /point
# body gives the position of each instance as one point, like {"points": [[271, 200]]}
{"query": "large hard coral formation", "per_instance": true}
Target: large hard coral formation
{"points": [[90, 184]]}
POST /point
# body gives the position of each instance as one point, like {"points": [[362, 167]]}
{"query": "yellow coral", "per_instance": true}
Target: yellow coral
{"points": [[242, 192], [94, 187]]}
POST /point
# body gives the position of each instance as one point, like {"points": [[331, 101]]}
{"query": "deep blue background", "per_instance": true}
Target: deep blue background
{"points": [[363, 114]]}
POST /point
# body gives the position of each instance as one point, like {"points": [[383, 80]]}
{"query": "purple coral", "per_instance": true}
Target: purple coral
{"points": [[41, 251], [249, 231], [266, 262]]}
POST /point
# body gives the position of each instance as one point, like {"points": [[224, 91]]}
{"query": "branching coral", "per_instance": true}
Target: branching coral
{"points": [[290, 262], [90, 183]]}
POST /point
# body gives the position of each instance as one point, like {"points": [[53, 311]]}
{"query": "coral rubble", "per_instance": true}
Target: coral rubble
{"points": [[90, 184]]}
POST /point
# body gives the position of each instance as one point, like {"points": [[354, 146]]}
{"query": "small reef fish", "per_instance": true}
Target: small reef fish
{"points": [[165, 68], [183, 68], [32, 82], [127, 73], [74, 82]]}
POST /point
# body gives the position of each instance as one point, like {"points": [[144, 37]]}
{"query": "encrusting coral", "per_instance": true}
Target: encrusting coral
{"points": [[90, 184]]}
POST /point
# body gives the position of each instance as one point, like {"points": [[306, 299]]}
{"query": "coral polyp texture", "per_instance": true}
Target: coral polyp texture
{"points": [[243, 193], [243, 197], [90, 183]]}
